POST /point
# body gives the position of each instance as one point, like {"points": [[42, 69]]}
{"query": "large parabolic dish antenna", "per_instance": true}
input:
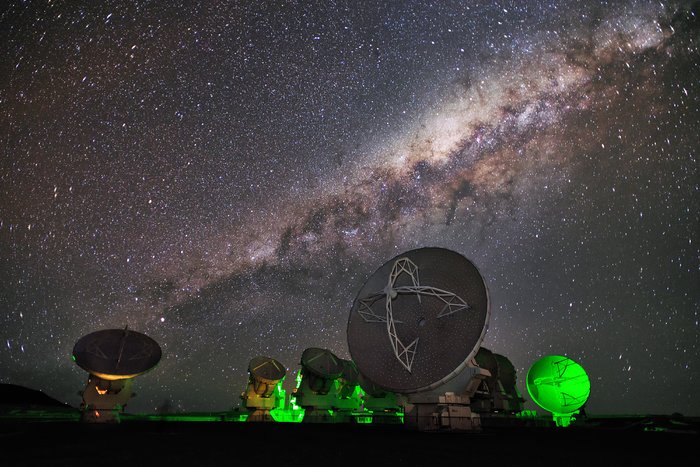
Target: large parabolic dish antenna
{"points": [[115, 354], [322, 363], [266, 373], [560, 385], [418, 320]]}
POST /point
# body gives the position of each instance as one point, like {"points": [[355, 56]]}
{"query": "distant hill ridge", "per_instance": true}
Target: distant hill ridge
{"points": [[14, 395]]}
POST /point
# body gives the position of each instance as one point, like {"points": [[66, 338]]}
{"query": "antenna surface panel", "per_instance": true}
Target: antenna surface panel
{"points": [[558, 384], [418, 320], [322, 363], [116, 353], [266, 369]]}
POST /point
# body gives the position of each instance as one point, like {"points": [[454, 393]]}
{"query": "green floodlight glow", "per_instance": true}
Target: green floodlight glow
{"points": [[363, 419], [280, 395], [287, 415], [558, 385], [287, 410]]}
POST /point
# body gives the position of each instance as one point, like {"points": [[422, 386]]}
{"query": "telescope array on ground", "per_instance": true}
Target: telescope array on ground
{"points": [[414, 333]]}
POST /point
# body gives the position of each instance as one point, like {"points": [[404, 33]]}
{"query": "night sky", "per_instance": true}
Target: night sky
{"points": [[225, 176]]}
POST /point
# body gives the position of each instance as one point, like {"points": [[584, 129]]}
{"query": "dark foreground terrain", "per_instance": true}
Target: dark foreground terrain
{"points": [[628, 441]]}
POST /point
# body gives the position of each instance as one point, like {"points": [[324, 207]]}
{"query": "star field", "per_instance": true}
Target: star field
{"points": [[224, 178]]}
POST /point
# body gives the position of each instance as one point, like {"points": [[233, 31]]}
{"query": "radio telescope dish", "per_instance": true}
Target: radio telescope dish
{"points": [[487, 360], [322, 363], [321, 368], [113, 357], [418, 320], [113, 354], [559, 385], [266, 373], [260, 396], [498, 392], [317, 391]]}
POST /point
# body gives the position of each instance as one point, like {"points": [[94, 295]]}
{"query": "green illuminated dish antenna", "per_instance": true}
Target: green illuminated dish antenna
{"points": [[559, 385]]}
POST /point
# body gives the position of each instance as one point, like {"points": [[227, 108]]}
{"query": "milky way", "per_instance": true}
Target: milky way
{"points": [[225, 179]]}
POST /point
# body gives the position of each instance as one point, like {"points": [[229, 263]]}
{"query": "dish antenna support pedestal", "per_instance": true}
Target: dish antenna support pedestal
{"points": [[446, 408], [104, 400]]}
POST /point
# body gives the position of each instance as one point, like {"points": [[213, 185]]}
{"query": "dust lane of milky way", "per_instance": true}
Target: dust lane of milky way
{"points": [[487, 136]]}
